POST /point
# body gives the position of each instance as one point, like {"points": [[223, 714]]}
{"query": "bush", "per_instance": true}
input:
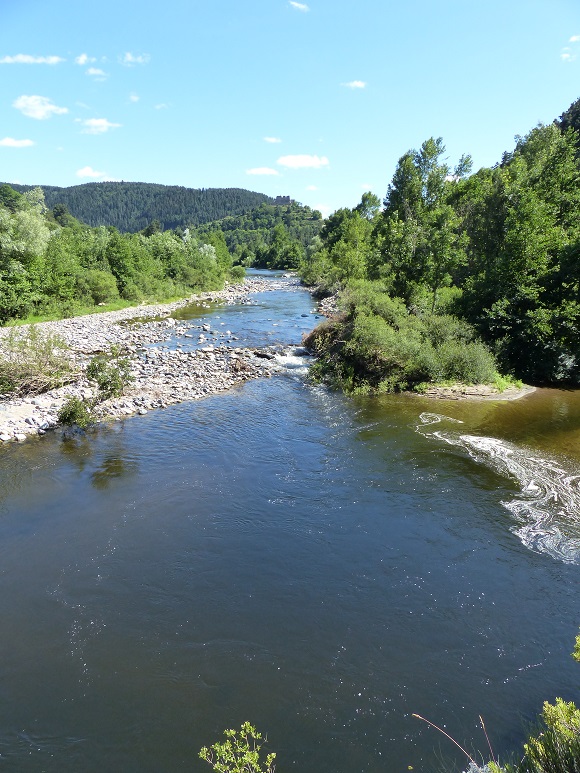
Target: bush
{"points": [[111, 372], [32, 362], [76, 413], [239, 753], [237, 274]]}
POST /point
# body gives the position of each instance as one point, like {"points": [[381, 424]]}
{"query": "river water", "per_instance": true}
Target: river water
{"points": [[321, 566]]}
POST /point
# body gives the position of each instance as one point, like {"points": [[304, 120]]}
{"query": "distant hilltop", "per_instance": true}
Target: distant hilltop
{"points": [[131, 206]]}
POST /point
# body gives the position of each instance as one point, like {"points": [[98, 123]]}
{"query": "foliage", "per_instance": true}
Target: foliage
{"points": [[76, 413], [239, 753], [500, 249], [378, 346], [111, 372], [269, 236], [132, 207], [32, 362]]}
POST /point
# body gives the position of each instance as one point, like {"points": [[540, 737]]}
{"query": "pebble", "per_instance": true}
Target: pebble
{"points": [[161, 377]]}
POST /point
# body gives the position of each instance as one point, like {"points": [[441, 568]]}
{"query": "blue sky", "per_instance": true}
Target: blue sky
{"points": [[315, 99]]}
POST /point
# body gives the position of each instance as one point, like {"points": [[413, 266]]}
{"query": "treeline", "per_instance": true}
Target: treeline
{"points": [[51, 264], [458, 269], [131, 207], [269, 236]]}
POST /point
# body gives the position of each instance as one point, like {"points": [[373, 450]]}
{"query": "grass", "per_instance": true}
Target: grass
{"points": [[32, 362]]}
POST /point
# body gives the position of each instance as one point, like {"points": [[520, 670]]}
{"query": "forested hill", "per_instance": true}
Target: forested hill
{"points": [[130, 207], [259, 237]]}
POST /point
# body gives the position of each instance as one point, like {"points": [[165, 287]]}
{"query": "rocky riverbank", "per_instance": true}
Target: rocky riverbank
{"points": [[161, 376]]}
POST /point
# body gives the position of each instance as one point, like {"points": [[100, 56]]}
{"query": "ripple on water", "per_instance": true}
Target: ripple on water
{"points": [[547, 506]]}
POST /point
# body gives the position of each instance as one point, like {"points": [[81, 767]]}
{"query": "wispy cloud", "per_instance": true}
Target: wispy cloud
{"points": [[299, 6], [355, 85], [303, 162], [83, 59], [96, 125], [134, 97], [272, 140], [88, 171], [324, 209], [130, 59], [10, 142], [97, 74], [567, 55], [311, 187], [262, 170], [161, 106], [37, 107], [28, 59]]}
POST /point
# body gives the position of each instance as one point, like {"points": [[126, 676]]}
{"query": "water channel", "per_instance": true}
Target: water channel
{"points": [[321, 566]]}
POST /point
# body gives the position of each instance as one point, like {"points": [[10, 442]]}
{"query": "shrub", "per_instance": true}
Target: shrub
{"points": [[237, 274], [75, 412], [32, 362], [111, 372], [239, 753]]}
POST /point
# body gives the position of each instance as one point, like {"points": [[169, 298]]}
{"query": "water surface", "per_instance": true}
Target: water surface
{"points": [[320, 566]]}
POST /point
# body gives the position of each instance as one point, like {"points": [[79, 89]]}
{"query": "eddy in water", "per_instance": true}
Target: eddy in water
{"points": [[547, 509]]}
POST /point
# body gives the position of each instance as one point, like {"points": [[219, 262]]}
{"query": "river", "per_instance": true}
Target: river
{"points": [[321, 566]]}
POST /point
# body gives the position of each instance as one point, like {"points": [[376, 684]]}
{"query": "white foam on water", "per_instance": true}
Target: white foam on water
{"points": [[547, 508], [295, 360]]}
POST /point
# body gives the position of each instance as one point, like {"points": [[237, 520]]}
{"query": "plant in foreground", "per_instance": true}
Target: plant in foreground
{"points": [[239, 753]]}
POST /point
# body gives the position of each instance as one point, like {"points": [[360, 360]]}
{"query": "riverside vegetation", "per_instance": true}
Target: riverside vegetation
{"points": [[459, 275]]}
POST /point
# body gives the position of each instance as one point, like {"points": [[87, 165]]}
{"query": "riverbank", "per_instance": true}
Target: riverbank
{"points": [[161, 376], [476, 392]]}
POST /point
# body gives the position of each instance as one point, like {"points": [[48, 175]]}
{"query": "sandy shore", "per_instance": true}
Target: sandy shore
{"points": [[476, 392], [161, 376]]}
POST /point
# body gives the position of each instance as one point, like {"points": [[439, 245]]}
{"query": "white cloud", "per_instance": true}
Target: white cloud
{"points": [[303, 162], [96, 125], [366, 187], [97, 73], [9, 142], [299, 6], [27, 59], [567, 56], [311, 187], [262, 170], [37, 107], [84, 59], [134, 97], [324, 209], [130, 59], [88, 171], [161, 106], [574, 39], [355, 85], [272, 140]]}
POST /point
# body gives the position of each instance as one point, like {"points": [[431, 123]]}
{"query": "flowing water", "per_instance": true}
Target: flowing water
{"points": [[321, 566]]}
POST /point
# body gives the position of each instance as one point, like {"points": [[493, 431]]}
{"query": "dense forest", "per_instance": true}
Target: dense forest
{"points": [[269, 236], [131, 207], [51, 264], [458, 274]]}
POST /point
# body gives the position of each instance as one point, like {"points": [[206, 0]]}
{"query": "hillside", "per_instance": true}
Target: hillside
{"points": [[130, 207], [250, 236]]}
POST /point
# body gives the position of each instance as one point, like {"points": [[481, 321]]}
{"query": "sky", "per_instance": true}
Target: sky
{"points": [[316, 100]]}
